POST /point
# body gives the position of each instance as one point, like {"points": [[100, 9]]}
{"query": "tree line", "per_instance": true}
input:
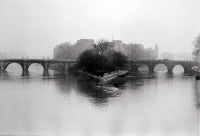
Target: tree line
{"points": [[103, 56], [131, 51], [101, 59]]}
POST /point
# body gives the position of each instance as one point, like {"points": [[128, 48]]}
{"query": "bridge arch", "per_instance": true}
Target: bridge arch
{"points": [[143, 68], [5, 67], [160, 67], [178, 68], [29, 67]]}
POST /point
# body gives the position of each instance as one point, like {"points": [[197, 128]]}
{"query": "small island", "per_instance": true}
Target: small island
{"points": [[102, 62]]}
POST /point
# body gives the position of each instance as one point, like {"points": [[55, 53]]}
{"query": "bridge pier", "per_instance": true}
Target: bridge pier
{"points": [[46, 68], [66, 67], [2, 66], [25, 67], [151, 69], [25, 73], [170, 69]]}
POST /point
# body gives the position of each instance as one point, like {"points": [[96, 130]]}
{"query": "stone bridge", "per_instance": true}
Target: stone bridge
{"points": [[170, 64], [134, 65], [45, 63]]}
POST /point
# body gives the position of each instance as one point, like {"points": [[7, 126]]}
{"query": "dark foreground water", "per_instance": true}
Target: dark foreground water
{"points": [[161, 105]]}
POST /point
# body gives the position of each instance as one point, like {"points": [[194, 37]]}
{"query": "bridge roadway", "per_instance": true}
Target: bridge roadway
{"points": [[133, 65]]}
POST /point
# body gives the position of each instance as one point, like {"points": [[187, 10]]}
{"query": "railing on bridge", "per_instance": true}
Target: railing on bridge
{"points": [[26, 57]]}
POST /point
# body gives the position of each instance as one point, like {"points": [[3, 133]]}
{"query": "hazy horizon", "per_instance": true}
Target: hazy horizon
{"points": [[35, 27]]}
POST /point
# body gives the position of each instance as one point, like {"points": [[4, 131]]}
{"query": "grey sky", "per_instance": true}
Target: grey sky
{"points": [[36, 26]]}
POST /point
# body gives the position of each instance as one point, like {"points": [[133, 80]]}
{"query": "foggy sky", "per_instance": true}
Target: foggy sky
{"points": [[36, 26]]}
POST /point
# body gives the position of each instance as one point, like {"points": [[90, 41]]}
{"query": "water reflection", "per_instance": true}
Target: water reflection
{"points": [[98, 95], [197, 92], [64, 105], [65, 84], [197, 99]]}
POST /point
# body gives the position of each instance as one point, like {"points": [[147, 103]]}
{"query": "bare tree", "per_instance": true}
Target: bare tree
{"points": [[135, 51], [63, 51], [102, 46], [196, 43]]}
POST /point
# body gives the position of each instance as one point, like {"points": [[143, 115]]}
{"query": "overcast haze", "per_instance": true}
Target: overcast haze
{"points": [[36, 26]]}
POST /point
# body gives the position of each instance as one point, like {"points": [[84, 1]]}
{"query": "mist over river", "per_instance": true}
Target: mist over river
{"points": [[57, 105]]}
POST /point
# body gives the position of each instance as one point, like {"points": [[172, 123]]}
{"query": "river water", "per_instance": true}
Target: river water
{"points": [[55, 105]]}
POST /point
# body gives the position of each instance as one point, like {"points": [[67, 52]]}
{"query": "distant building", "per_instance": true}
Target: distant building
{"points": [[156, 52], [63, 51], [149, 53], [117, 42], [140, 46], [85, 42], [132, 51], [82, 45], [118, 45]]}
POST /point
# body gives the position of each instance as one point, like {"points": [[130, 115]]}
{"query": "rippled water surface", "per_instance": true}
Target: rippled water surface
{"points": [[54, 105]]}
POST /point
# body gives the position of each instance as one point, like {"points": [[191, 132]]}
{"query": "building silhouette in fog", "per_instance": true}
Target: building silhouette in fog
{"points": [[118, 45], [136, 51], [82, 45], [156, 52], [132, 51], [85, 42], [68, 51]]}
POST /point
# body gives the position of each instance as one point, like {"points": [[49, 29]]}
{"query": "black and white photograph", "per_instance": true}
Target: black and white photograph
{"points": [[99, 67]]}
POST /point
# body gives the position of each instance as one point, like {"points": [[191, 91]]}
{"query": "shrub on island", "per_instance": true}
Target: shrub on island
{"points": [[97, 64]]}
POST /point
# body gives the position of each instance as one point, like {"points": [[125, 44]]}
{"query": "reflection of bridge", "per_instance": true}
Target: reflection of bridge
{"points": [[65, 64], [45, 63], [170, 64]]}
